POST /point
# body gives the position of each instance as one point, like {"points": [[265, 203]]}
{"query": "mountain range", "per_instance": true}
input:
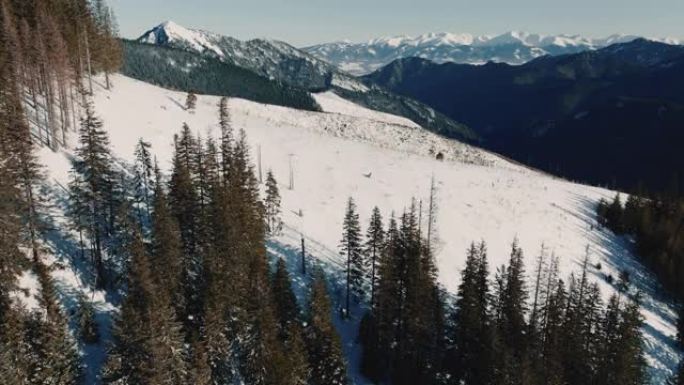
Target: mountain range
{"points": [[512, 47], [608, 116], [283, 63]]}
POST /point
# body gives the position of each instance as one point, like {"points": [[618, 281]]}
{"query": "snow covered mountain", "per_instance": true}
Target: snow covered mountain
{"points": [[284, 63], [379, 159], [511, 47], [270, 58]]}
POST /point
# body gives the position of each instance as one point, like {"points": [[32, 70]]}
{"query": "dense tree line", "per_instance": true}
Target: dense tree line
{"points": [[188, 71], [37, 56], [57, 46], [502, 330], [210, 311], [200, 304], [656, 223]]}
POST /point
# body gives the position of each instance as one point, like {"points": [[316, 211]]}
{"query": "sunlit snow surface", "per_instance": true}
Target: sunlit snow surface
{"points": [[381, 160]]}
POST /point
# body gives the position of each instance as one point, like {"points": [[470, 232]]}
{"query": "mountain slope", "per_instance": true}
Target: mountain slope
{"points": [[286, 64], [182, 70], [511, 47], [382, 160], [622, 105]]}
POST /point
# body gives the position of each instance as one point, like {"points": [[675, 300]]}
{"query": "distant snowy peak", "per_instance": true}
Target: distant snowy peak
{"points": [[169, 32], [436, 39], [513, 47]]}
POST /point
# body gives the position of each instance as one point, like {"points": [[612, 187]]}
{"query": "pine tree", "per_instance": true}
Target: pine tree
{"points": [[511, 325], [553, 363], [10, 188], [91, 187], [472, 356], [325, 349], [226, 139], [272, 205], [298, 366], [351, 247], [148, 344], [143, 181], [421, 319], [378, 328], [185, 207], [582, 318], [375, 240], [56, 354], [287, 310], [16, 356], [167, 250], [85, 316]]}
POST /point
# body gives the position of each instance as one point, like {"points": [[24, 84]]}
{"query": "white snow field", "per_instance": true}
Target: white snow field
{"points": [[378, 159]]}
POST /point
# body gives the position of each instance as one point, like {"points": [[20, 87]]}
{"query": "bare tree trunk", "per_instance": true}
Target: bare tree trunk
{"points": [[90, 68], [73, 107]]}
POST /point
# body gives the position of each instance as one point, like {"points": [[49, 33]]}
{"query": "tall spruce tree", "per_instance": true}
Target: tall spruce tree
{"points": [[375, 240], [85, 317], [324, 345], [472, 335], [511, 327], [351, 248], [91, 187], [167, 251], [143, 181], [148, 344], [287, 309], [56, 356], [272, 205]]}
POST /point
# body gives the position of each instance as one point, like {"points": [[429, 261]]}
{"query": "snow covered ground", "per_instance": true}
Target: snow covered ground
{"points": [[382, 160]]}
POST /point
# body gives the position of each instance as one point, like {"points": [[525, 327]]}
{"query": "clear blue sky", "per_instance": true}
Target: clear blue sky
{"points": [[304, 22]]}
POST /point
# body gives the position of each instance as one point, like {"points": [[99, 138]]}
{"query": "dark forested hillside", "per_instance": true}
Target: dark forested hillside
{"points": [[187, 71], [612, 116]]}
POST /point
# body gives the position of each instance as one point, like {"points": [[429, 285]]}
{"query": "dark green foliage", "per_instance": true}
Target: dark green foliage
{"points": [[510, 322], [287, 310], [92, 185], [351, 249], [655, 223], [148, 344], [167, 250], [325, 349], [186, 71], [272, 205], [56, 360], [87, 325], [621, 356], [143, 182], [471, 355], [16, 357], [403, 336], [375, 242]]}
